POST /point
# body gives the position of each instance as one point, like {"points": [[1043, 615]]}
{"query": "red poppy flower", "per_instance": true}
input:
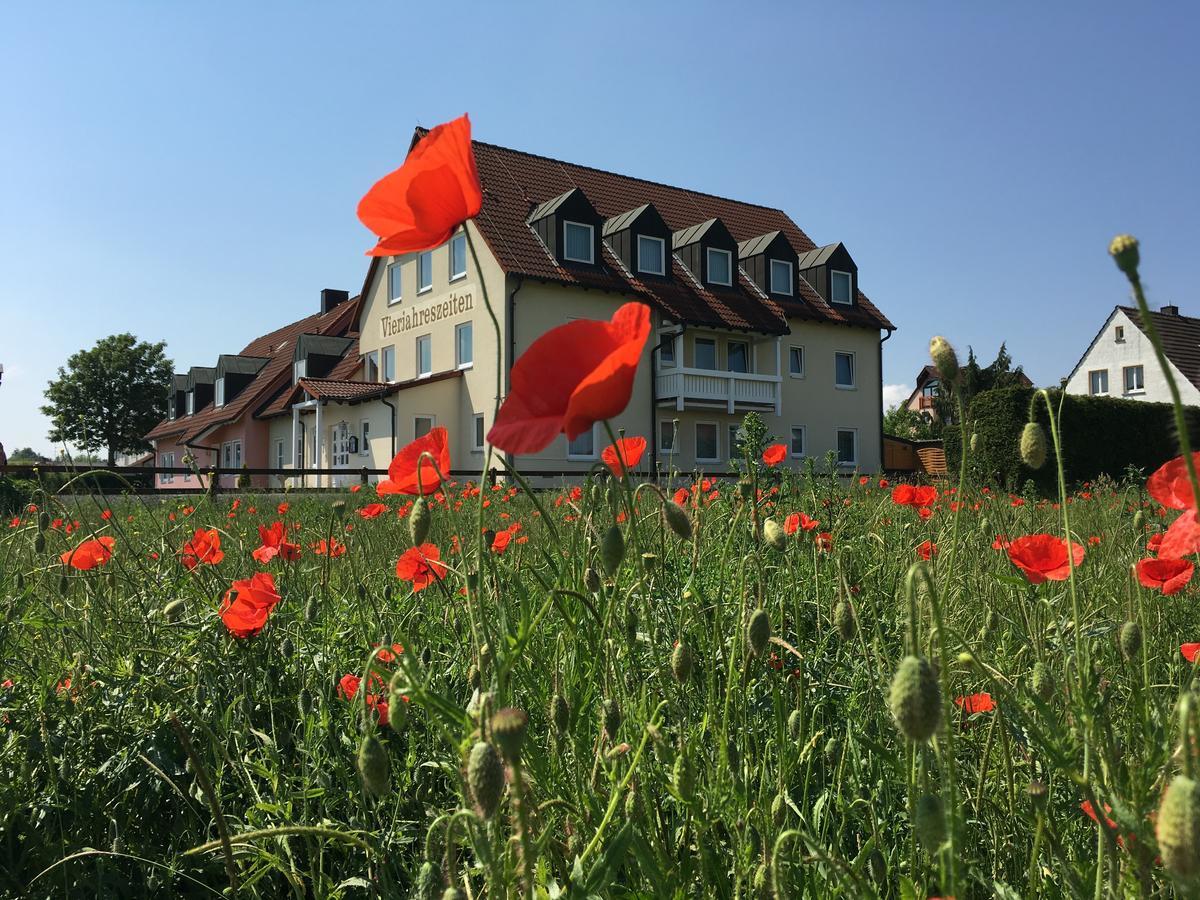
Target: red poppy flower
{"points": [[1182, 537], [421, 566], [402, 472], [975, 703], [824, 541], [1154, 544], [571, 377], [1001, 542], [1189, 651], [386, 655], [500, 541], [1043, 557], [1169, 484], [926, 550], [274, 544], [333, 547], [106, 515], [624, 455], [902, 494], [791, 524], [204, 547], [1169, 576], [354, 489], [90, 554], [247, 604], [418, 206], [924, 495], [775, 454], [373, 510]]}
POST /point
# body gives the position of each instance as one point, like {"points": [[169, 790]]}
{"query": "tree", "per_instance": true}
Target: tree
{"points": [[108, 397], [974, 379], [25, 455], [901, 421]]}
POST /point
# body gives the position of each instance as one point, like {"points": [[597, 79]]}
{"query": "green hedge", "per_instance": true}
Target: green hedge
{"points": [[1100, 436]]}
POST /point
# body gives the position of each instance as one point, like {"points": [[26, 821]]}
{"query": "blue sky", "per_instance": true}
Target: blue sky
{"points": [[189, 172]]}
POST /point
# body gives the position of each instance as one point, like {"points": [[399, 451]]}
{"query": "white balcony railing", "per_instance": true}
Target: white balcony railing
{"points": [[734, 389]]}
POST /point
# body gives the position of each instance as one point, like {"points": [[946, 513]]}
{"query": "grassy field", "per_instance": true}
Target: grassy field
{"points": [[707, 710]]}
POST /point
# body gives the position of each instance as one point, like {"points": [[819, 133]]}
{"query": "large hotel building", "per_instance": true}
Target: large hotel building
{"points": [[749, 315]]}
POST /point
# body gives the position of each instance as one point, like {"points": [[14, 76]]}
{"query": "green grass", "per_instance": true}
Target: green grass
{"points": [[782, 772]]}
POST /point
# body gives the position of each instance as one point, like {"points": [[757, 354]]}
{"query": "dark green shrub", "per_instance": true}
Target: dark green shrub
{"points": [[13, 496]]}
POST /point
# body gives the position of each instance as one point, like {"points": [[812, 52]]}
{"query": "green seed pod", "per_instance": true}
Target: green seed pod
{"points": [[1139, 522], [945, 360], [43, 521], [758, 631], [591, 580], [915, 699], [1131, 640], [877, 866], [397, 706], [774, 536], [453, 893], [1041, 681], [929, 822], [310, 610], [419, 520], [485, 778], [1033, 445], [612, 550], [1178, 827], [174, 610], [474, 678], [681, 662], [560, 713], [1124, 251], [373, 766], [610, 717], [286, 648], [677, 519], [832, 751], [779, 810], [843, 620], [305, 702], [650, 563], [509, 727], [974, 442], [428, 883], [794, 723], [683, 777], [485, 656], [39, 543]]}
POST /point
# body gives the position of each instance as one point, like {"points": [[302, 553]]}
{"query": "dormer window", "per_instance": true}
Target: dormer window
{"points": [[652, 253], [191, 402], [839, 287], [299, 368], [720, 266], [219, 392], [578, 242], [781, 277]]}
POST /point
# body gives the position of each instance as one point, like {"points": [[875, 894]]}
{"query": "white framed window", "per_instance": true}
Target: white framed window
{"points": [[167, 461], [706, 353], [1119, 334], [666, 352], [458, 256], [1135, 379], [578, 242], [720, 266], [389, 363], [798, 446], [843, 370], [464, 349], [478, 433], [735, 441], [424, 355], [781, 277], [394, 291], [422, 425], [364, 438], [424, 271], [708, 442], [219, 391], [279, 447], [231, 455], [1098, 381], [191, 402], [651, 255], [666, 436], [840, 284], [847, 446], [299, 369], [796, 362], [584, 445], [371, 366], [737, 356]]}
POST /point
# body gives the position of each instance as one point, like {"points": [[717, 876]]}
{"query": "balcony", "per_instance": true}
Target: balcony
{"points": [[924, 402], [710, 388]]}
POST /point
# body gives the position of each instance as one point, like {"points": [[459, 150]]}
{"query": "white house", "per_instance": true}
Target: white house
{"points": [[1120, 361]]}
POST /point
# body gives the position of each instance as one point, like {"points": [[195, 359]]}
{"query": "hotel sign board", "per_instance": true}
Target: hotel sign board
{"points": [[458, 302]]}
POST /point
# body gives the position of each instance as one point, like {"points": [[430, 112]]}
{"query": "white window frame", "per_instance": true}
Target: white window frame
{"points": [[1125, 372], [662, 254], [696, 354], [428, 338], [672, 429], [371, 358], [803, 429], [1091, 386], [280, 447], [190, 403], [853, 385], [591, 258], [729, 356], [850, 289], [364, 437], [231, 456], [696, 434], [666, 352], [219, 391], [478, 433], [791, 277], [582, 456], [709, 251], [459, 240], [850, 464], [424, 266], [398, 284], [1119, 334], [299, 369], [432, 423], [458, 360], [383, 357], [168, 462], [801, 373]]}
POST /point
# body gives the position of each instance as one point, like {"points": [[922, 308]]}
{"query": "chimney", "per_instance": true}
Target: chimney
{"points": [[331, 298], [1170, 310]]}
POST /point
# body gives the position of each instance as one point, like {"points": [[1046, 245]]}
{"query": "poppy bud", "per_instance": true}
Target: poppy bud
{"points": [[489, 537], [745, 489], [560, 713], [945, 360], [1041, 681], [419, 520], [114, 836], [339, 509], [429, 880], [305, 703], [683, 777], [591, 580], [508, 731], [1037, 793], [474, 678], [286, 647], [974, 441], [778, 810], [774, 536], [485, 656], [453, 893], [426, 656], [1124, 251], [929, 822], [610, 716], [794, 723], [1178, 827], [758, 631], [39, 543], [681, 662], [1131, 640], [677, 519], [1033, 445], [397, 707], [843, 620], [1139, 521], [43, 521], [373, 766], [915, 699], [612, 550], [20, 581], [64, 584], [173, 610], [485, 778], [762, 881], [310, 610]]}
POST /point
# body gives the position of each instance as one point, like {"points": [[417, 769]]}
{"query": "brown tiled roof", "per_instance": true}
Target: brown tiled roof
{"points": [[515, 182], [341, 390], [277, 347], [1180, 336]]}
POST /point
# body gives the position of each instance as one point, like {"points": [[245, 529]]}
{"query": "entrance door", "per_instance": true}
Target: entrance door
{"points": [[339, 452]]}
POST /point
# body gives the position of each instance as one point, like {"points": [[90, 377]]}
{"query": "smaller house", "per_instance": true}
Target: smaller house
{"points": [[922, 399], [1120, 360]]}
